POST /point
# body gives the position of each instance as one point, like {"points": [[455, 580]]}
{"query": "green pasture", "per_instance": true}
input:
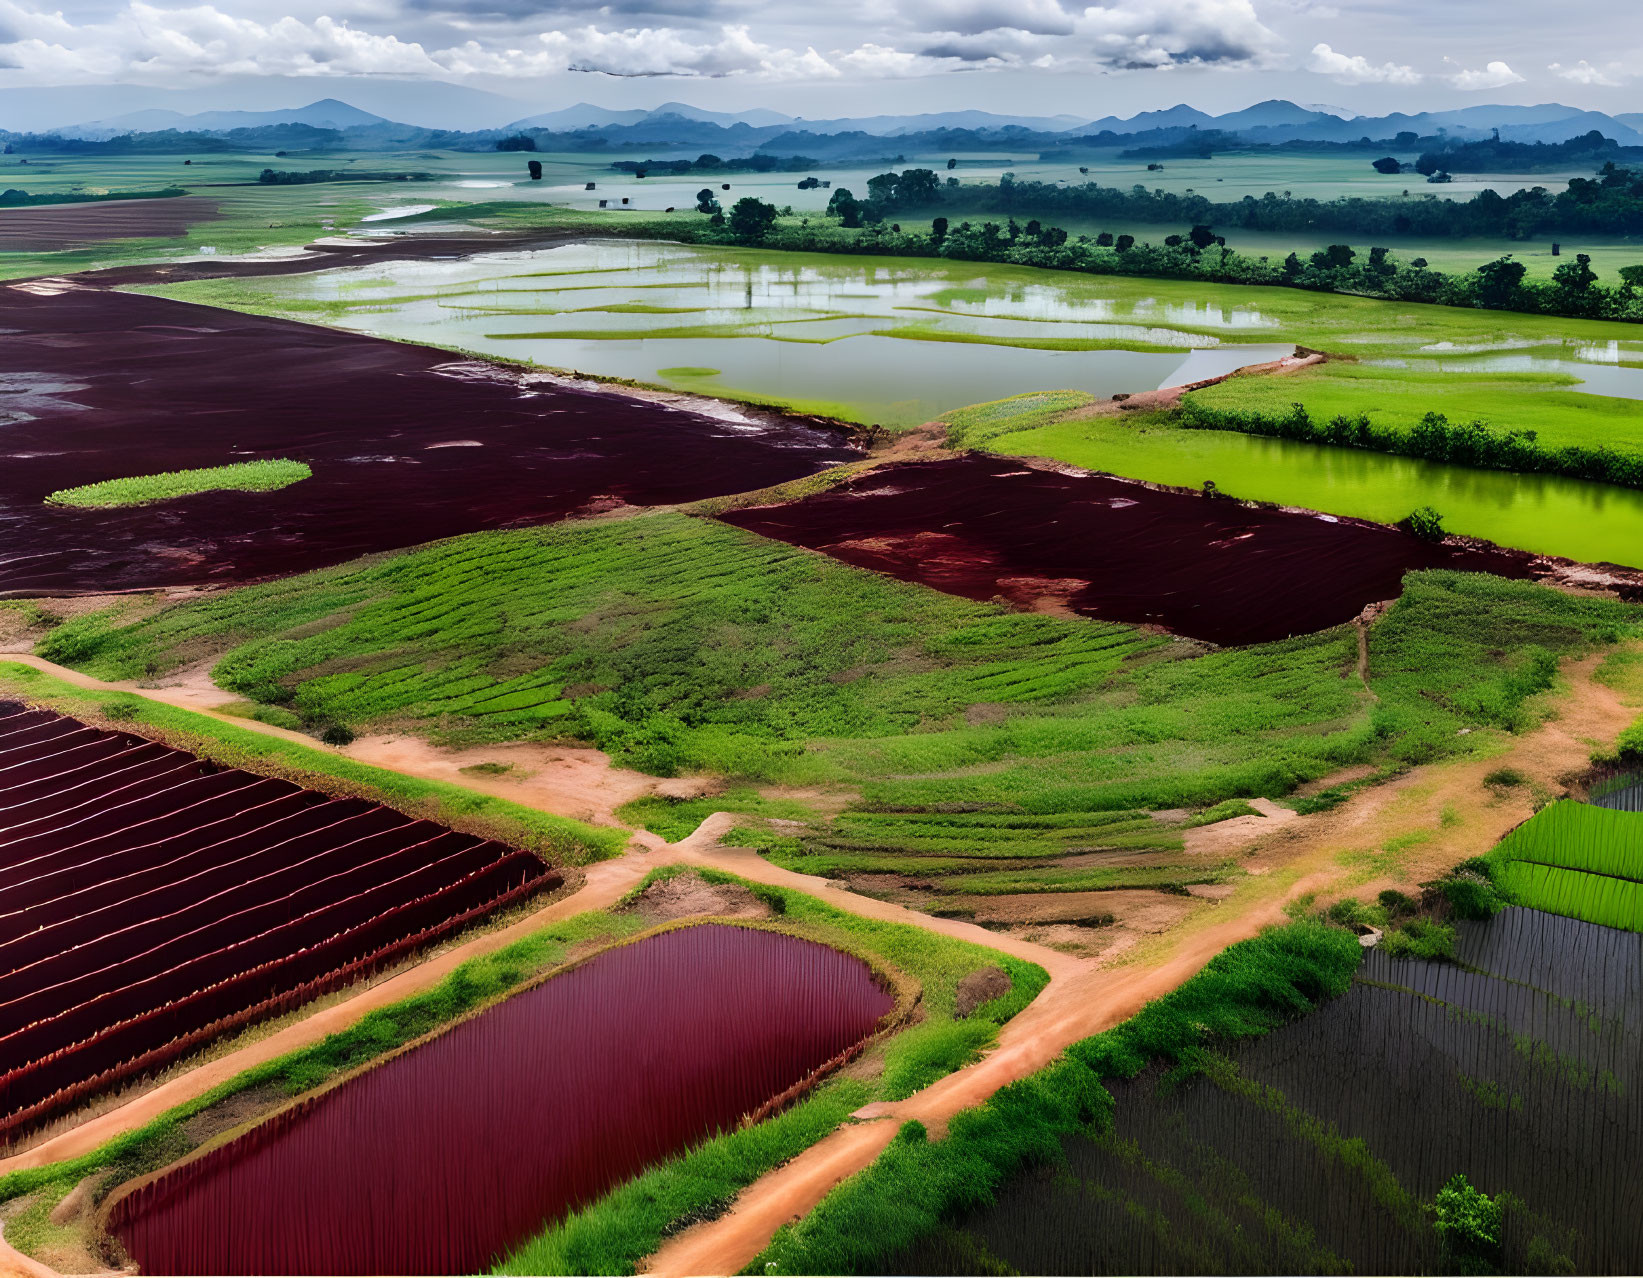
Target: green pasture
{"points": [[139, 490]]}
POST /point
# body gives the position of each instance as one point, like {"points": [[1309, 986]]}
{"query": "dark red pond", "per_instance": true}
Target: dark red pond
{"points": [[407, 444], [442, 1159], [988, 528], [150, 901]]}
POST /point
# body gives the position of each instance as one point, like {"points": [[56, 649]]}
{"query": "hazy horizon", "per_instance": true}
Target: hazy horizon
{"points": [[468, 63]]}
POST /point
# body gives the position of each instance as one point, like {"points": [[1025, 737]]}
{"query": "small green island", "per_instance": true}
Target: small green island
{"points": [[139, 490]]}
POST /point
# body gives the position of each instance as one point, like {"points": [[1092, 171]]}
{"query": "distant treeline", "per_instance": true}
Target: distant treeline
{"points": [[1200, 253], [1433, 438], [1610, 203], [756, 163], [280, 177], [1494, 156], [266, 137], [14, 198]]}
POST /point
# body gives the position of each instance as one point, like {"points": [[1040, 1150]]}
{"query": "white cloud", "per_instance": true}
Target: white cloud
{"points": [[1583, 72], [1358, 69], [1155, 33], [1497, 75]]}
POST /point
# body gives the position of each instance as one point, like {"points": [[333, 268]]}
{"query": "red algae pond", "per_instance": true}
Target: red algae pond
{"points": [[1051, 540], [442, 1157]]}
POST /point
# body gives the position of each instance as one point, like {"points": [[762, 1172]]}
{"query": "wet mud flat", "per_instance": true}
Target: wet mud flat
{"points": [[47, 228], [407, 444], [151, 901], [1049, 540], [445, 1156]]}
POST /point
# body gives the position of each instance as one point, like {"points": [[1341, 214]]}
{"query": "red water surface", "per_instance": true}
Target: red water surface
{"points": [[1218, 570], [150, 901], [407, 444], [442, 1159]]}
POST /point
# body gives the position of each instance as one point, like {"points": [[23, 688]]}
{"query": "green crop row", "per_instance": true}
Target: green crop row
{"points": [[679, 644], [1594, 898], [1578, 836]]}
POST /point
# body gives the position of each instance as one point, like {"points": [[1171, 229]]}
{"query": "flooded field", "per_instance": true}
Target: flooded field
{"points": [[985, 527], [890, 342], [406, 444], [442, 1158]]}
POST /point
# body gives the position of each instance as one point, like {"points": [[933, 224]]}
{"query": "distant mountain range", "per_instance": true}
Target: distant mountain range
{"points": [[327, 113], [682, 128]]}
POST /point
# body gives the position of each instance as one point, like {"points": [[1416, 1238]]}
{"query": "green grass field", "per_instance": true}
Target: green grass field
{"points": [[1575, 859], [683, 645], [139, 490]]}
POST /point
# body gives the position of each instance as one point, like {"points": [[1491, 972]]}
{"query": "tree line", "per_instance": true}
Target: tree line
{"points": [[1433, 438], [1201, 253]]}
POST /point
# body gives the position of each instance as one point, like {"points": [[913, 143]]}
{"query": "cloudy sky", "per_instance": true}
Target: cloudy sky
{"points": [[822, 57]]}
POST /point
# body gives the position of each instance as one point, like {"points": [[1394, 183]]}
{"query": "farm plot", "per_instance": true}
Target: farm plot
{"points": [[1319, 1147], [405, 444], [443, 1157], [1580, 860], [987, 528], [150, 902]]}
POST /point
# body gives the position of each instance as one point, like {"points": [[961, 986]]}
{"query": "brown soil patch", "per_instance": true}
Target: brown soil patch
{"points": [[689, 896], [46, 228], [1115, 860], [1133, 908], [1237, 833], [980, 986], [232, 1111]]}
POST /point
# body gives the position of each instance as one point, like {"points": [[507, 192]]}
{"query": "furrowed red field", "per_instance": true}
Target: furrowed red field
{"points": [[153, 902], [441, 1159]]}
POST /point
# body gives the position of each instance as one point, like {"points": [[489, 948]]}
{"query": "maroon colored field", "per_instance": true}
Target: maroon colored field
{"points": [[406, 444], [45, 228], [150, 901], [1210, 569], [443, 1158]]}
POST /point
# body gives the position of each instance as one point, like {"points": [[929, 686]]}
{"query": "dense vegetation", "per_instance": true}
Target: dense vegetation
{"points": [[244, 477], [287, 177], [1612, 203], [13, 198]]}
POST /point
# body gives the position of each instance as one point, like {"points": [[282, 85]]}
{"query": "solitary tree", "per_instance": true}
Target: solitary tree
{"points": [[1632, 276], [1201, 236], [1576, 276], [938, 233], [1104, 240], [951, 165], [534, 168], [1498, 280], [1124, 243], [751, 219], [1388, 165], [705, 203]]}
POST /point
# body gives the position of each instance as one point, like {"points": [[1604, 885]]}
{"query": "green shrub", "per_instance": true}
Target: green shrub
{"points": [[1421, 938], [1468, 1223], [1424, 523]]}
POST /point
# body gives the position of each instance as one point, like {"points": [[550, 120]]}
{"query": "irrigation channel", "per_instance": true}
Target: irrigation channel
{"points": [[447, 1155], [153, 902], [1081, 999]]}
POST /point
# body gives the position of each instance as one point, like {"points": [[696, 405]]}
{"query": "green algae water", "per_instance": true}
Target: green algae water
{"points": [[1592, 523]]}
